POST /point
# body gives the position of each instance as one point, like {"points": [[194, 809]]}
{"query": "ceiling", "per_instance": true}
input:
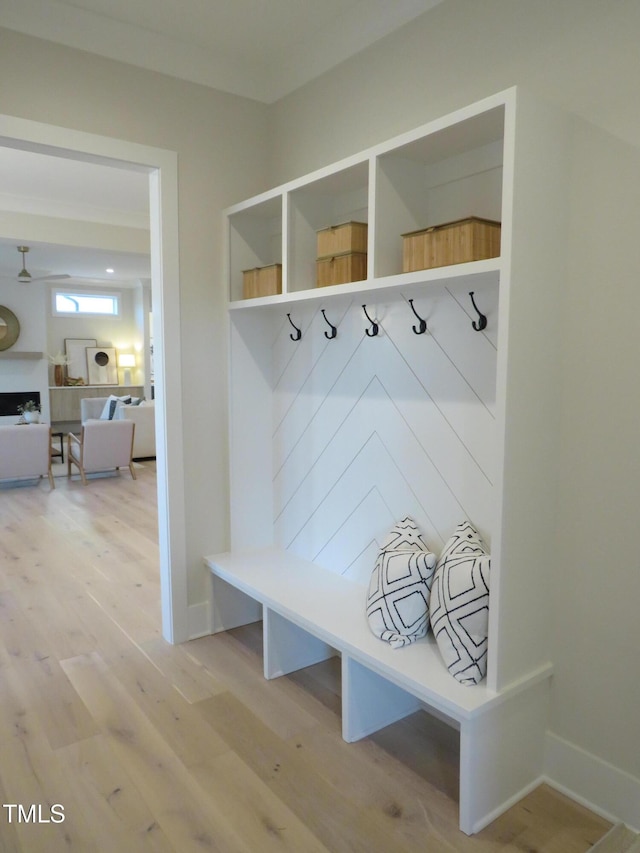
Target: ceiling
{"points": [[40, 185], [262, 49], [86, 267]]}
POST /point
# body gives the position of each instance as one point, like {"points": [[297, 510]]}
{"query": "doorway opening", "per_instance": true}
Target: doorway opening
{"points": [[161, 168]]}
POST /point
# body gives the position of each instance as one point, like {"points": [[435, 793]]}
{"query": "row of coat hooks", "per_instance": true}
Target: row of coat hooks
{"points": [[374, 328]]}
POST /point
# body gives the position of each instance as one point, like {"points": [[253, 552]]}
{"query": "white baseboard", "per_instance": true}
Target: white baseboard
{"points": [[596, 784], [199, 620], [479, 825]]}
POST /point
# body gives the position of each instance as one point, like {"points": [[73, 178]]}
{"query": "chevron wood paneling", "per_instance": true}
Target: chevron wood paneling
{"points": [[367, 430]]}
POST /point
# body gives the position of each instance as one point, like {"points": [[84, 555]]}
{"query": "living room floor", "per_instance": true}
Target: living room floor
{"points": [[149, 746]]}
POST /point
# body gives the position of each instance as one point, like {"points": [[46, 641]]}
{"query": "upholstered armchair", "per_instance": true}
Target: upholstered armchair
{"points": [[102, 446], [25, 452], [143, 415]]}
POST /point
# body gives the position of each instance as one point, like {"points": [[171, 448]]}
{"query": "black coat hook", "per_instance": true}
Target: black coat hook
{"points": [[298, 333], [373, 331], [334, 331], [482, 320], [423, 323]]}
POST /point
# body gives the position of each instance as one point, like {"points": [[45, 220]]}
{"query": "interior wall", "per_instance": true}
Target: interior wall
{"points": [[219, 139], [582, 55], [598, 582], [42, 332], [120, 332], [142, 305], [25, 374]]}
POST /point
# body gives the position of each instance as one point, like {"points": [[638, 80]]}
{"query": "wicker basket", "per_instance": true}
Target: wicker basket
{"points": [[459, 242], [262, 281]]}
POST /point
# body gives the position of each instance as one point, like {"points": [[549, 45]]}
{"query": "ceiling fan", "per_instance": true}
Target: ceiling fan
{"points": [[24, 276]]}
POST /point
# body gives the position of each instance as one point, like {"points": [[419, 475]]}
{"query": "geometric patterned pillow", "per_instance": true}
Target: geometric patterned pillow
{"points": [[111, 405], [400, 586], [404, 536], [459, 611], [465, 539]]}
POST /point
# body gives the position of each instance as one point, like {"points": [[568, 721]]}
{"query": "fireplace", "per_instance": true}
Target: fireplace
{"points": [[10, 400]]}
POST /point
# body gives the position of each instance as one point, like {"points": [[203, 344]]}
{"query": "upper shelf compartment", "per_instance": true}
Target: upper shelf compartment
{"points": [[448, 175], [255, 239], [322, 203], [448, 170]]}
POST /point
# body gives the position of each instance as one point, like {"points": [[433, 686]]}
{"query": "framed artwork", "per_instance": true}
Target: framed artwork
{"points": [[101, 365], [76, 349], [9, 328]]}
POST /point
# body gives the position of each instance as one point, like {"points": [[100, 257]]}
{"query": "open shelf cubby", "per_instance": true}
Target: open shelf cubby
{"points": [[446, 176], [333, 199], [255, 239]]}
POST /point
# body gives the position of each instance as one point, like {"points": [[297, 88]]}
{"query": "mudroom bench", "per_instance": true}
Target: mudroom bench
{"points": [[310, 614]]}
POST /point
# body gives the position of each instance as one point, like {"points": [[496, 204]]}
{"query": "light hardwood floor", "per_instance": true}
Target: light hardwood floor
{"points": [[150, 747]]}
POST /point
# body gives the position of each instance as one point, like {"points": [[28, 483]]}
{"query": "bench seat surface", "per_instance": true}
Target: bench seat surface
{"points": [[332, 608]]}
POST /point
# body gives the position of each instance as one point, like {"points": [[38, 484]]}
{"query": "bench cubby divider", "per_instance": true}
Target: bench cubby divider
{"points": [[230, 607], [370, 702], [287, 647]]}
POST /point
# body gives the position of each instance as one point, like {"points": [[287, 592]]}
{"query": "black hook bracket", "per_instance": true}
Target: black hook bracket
{"points": [[373, 331], [482, 320], [298, 333], [334, 331], [422, 328]]}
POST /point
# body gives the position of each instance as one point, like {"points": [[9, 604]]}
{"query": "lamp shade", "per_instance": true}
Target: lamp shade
{"points": [[127, 360]]}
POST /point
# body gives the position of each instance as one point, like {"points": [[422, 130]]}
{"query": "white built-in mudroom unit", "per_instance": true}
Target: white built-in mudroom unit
{"points": [[347, 414]]}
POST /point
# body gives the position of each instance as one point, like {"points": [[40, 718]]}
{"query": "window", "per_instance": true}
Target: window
{"points": [[81, 304]]}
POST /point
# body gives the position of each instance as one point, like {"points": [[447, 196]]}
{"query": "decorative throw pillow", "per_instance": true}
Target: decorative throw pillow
{"points": [[465, 539], [405, 536], [111, 405], [398, 597], [459, 609]]}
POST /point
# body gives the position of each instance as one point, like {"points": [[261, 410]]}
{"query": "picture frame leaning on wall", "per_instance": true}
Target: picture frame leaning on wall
{"points": [[101, 366], [76, 349]]}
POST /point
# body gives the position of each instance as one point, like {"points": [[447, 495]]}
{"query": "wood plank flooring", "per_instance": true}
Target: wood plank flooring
{"points": [[150, 747]]}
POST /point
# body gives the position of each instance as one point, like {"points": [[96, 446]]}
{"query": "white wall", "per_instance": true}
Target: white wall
{"points": [[41, 331], [597, 564], [26, 228], [25, 374], [219, 139], [121, 332], [582, 55]]}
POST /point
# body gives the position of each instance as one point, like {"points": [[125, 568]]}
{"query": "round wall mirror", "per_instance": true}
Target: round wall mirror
{"points": [[9, 328]]}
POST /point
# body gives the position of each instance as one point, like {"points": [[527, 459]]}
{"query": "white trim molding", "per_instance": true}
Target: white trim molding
{"points": [[590, 780], [200, 624]]}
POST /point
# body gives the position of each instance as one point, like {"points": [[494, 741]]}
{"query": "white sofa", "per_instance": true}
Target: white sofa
{"points": [[143, 415]]}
